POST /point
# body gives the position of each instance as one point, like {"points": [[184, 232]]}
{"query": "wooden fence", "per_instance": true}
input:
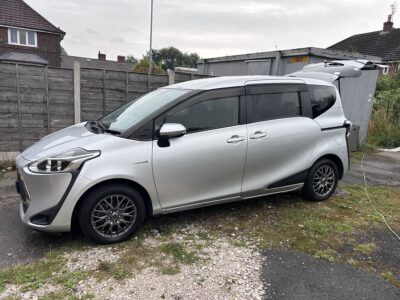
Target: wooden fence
{"points": [[36, 101]]}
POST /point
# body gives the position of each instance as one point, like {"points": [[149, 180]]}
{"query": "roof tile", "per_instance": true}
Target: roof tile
{"points": [[19, 14], [377, 43]]}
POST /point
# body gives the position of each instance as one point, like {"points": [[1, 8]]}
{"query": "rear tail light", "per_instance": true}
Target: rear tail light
{"points": [[347, 124]]}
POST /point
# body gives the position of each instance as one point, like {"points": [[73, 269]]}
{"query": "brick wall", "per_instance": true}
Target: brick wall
{"points": [[48, 47]]}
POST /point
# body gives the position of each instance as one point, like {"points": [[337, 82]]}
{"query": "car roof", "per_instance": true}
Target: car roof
{"points": [[236, 81]]}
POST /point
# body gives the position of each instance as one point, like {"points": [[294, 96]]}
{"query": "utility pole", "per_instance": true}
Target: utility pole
{"points": [[151, 46]]}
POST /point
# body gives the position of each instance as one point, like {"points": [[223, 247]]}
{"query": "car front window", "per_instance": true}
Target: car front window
{"points": [[133, 112]]}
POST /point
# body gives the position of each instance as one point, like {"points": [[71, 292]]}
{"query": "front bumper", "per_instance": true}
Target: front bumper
{"points": [[42, 196]]}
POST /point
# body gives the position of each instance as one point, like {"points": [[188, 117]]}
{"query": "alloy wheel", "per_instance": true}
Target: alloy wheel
{"points": [[114, 215], [324, 180]]}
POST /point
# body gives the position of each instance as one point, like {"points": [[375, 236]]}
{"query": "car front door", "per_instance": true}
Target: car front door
{"points": [[281, 137], [207, 163]]}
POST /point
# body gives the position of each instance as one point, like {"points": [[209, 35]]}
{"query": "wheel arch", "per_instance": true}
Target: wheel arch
{"points": [[139, 188], [336, 160]]}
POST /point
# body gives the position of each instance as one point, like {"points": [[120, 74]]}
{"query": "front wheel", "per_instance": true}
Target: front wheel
{"points": [[322, 181], [111, 213]]}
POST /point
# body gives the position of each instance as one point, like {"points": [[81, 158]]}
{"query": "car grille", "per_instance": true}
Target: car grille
{"points": [[22, 190]]}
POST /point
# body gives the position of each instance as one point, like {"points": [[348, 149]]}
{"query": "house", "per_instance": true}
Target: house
{"points": [[278, 62], [384, 43], [26, 36], [101, 63]]}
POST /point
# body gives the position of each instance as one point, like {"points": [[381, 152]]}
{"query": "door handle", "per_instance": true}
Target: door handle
{"points": [[235, 139], [258, 135]]}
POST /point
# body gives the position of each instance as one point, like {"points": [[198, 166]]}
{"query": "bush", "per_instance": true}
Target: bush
{"points": [[384, 125], [142, 66]]}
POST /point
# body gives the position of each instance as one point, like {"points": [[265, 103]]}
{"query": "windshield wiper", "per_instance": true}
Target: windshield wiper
{"points": [[112, 131], [101, 127]]}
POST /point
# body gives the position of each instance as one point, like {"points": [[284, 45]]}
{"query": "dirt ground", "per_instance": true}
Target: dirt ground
{"points": [[382, 168], [284, 274]]}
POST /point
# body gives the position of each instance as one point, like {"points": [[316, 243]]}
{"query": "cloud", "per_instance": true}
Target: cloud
{"points": [[209, 27]]}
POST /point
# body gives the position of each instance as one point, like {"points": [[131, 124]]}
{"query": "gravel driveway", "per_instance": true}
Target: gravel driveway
{"points": [[231, 271]]}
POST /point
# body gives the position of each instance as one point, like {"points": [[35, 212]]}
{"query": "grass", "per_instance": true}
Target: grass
{"points": [[365, 248], [167, 257], [384, 124], [329, 230], [179, 253], [170, 270], [327, 254], [34, 275], [382, 131]]}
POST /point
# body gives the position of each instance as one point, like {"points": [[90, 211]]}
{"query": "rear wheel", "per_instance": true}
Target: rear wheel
{"points": [[322, 181], [111, 213]]}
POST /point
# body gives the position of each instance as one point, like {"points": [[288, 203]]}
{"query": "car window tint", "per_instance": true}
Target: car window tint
{"points": [[274, 106], [207, 115], [322, 98]]}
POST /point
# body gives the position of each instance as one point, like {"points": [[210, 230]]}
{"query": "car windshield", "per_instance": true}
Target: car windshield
{"points": [[133, 112]]}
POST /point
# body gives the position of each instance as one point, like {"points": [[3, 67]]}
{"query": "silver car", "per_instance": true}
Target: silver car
{"points": [[188, 145]]}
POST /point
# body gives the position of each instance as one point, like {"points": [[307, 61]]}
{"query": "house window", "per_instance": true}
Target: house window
{"points": [[22, 37]]}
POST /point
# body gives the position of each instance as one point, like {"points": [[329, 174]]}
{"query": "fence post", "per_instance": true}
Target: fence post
{"points": [[19, 108], [171, 77], [46, 94], [77, 92], [126, 87], [104, 92]]}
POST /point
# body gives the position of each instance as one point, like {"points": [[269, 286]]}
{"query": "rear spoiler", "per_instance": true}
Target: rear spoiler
{"points": [[333, 70], [315, 75]]}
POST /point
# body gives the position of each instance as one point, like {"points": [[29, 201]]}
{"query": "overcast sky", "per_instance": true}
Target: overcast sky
{"points": [[209, 27]]}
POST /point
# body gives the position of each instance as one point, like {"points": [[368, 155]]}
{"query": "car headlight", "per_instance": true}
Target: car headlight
{"points": [[64, 162]]}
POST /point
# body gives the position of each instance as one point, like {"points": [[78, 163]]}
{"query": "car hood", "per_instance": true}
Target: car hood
{"points": [[61, 141]]}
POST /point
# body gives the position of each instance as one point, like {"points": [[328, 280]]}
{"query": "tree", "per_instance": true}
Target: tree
{"points": [[142, 66], [190, 60], [131, 59], [171, 57]]}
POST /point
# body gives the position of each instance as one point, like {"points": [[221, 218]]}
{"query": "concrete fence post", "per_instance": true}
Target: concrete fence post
{"points": [[171, 77], [77, 92], [20, 135]]}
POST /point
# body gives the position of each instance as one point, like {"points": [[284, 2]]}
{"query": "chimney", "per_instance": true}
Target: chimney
{"points": [[387, 26], [102, 56], [121, 59]]}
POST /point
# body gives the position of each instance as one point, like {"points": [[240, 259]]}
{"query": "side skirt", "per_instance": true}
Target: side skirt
{"points": [[253, 194], [277, 190]]}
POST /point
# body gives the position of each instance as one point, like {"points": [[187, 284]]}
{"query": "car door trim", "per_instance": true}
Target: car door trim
{"points": [[199, 204], [201, 97], [299, 177], [276, 190], [271, 88], [332, 128]]}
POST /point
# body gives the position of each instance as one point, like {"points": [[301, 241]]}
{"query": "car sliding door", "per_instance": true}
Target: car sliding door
{"points": [[281, 137]]}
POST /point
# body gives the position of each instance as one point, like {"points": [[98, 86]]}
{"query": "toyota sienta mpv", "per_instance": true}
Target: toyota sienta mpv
{"points": [[184, 146]]}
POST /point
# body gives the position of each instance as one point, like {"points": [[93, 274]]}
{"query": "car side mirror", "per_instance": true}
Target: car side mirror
{"points": [[171, 130]]}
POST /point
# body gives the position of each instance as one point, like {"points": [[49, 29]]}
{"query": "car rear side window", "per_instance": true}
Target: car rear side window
{"points": [[207, 115], [274, 106], [322, 98]]}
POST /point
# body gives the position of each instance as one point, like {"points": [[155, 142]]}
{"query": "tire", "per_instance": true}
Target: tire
{"points": [[111, 213], [321, 181]]}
